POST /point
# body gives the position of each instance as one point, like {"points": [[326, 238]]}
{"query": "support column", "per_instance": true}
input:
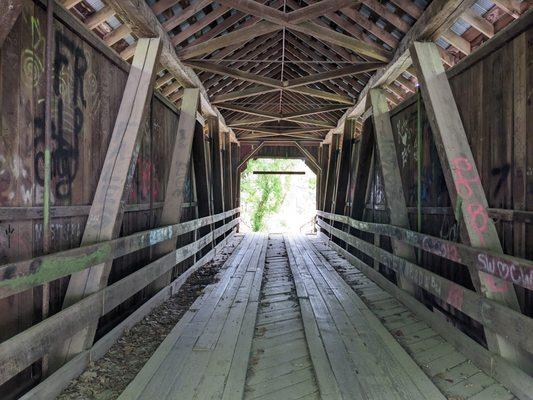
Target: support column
{"points": [[201, 174], [329, 187], [235, 157], [362, 171], [323, 154], [343, 174], [105, 216], [179, 168], [218, 165], [392, 181], [464, 186]]}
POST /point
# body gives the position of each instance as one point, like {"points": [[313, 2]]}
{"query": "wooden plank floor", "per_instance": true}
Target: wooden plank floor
{"points": [[452, 373], [280, 324], [366, 361], [280, 366]]}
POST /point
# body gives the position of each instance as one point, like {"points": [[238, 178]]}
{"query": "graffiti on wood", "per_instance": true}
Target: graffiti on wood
{"points": [[466, 181], [70, 67], [504, 269], [147, 186]]}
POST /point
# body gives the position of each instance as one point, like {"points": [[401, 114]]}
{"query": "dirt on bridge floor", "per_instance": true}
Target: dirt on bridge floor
{"points": [[107, 378]]}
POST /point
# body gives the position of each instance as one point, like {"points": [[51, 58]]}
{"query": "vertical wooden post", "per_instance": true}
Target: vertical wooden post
{"points": [[105, 216], [329, 188], [362, 171], [343, 174], [228, 179], [464, 185], [201, 174], [350, 190], [235, 157], [218, 167], [179, 168], [323, 154], [392, 181]]}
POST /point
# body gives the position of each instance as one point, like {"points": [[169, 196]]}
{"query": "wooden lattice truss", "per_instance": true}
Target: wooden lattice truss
{"points": [[294, 69]]}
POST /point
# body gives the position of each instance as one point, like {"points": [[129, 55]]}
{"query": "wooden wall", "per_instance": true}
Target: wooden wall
{"points": [[494, 94], [87, 91]]}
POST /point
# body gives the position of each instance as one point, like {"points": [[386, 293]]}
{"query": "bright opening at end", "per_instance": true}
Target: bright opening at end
{"points": [[277, 203]]}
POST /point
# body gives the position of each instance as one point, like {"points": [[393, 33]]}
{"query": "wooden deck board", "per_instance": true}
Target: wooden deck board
{"points": [[281, 323], [280, 366], [384, 370], [455, 376]]}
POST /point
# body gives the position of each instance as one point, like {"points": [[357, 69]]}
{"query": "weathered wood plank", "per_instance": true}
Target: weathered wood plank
{"points": [[23, 349], [464, 185], [106, 213]]}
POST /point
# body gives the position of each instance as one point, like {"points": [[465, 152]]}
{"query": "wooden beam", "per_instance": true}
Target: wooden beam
{"points": [[200, 24], [246, 158], [392, 180], [9, 13], [309, 157], [314, 122], [253, 91], [217, 164], [105, 217], [116, 35], [478, 22], [278, 116], [228, 175], [438, 17], [317, 10], [179, 164], [457, 41], [281, 19], [464, 186], [344, 167], [183, 15], [234, 73], [282, 131], [363, 171], [334, 74], [68, 4], [99, 17], [317, 110], [331, 173], [230, 39], [250, 111], [321, 94], [143, 23]]}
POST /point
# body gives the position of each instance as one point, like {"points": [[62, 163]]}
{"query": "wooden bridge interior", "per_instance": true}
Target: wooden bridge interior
{"points": [[125, 126]]}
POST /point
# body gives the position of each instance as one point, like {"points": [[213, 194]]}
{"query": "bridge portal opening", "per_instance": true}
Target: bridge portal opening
{"points": [[277, 195]]}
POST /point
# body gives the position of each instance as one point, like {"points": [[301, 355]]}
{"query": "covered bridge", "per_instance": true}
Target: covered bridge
{"points": [[125, 126]]}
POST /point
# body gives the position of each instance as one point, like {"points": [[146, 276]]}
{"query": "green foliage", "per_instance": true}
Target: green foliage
{"points": [[264, 193]]}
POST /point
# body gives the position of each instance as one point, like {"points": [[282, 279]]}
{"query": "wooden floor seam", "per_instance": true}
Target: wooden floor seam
{"points": [[290, 319]]}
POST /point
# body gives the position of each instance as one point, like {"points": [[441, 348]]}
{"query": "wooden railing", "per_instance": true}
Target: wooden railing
{"points": [[496, 317], [23, 349]]}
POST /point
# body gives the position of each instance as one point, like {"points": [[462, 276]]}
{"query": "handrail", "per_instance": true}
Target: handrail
{"points": [[22, 275], [495, 316], [23, 349], [512, 269]]}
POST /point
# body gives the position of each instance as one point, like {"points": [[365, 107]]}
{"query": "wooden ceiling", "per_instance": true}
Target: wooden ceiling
{"points": [[290, 69]]}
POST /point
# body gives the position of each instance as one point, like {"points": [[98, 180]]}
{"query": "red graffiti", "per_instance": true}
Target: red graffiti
{"points": [[496, 285], [147, 182], [455, 297], [478, 219], [465, 184]]}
